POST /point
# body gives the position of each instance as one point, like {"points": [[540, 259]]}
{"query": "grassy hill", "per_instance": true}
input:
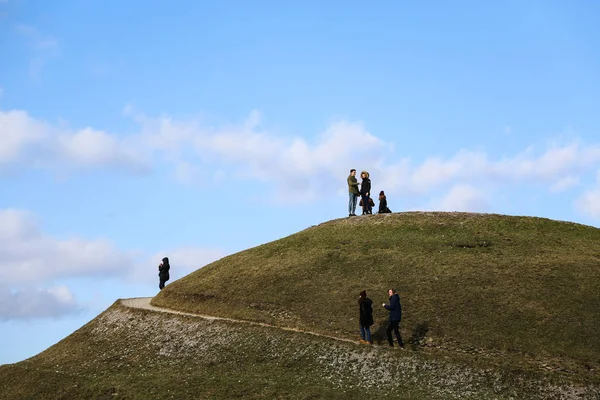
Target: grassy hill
{"points": [[487, 284], [495, 307], [139, 355]]}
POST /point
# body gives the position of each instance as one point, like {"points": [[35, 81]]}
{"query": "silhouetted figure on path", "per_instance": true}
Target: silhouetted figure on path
{"points": [[163, 272]]}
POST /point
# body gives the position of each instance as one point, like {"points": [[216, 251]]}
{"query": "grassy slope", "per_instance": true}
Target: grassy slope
{"points": [[486, 284], [135, 354]]}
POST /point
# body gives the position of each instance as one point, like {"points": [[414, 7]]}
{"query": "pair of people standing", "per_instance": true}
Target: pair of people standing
{"points": [[366, 317], [354, 192]]}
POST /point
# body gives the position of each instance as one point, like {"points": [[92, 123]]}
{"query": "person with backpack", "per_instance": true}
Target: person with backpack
{"points": [[371, 203], [163, 272], [365, 309]]}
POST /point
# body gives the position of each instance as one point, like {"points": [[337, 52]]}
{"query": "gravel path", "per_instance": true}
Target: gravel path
{"points": [[144, 303]]}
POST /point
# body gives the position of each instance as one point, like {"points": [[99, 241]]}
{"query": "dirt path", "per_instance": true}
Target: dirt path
{"points": [[144, 303]]}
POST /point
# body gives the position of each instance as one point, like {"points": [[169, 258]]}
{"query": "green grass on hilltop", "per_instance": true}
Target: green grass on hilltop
{"points": [[485, 284]]}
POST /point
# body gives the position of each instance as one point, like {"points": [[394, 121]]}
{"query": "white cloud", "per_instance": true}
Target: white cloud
{"points": [[43, 47], [29, 142], [31, 262], [433, 172], [29, 256], [30, 303], [462, 197], [558, 168], [555, 163], [17, 133], [295, 168], [589, 202], [564, 183], [188, 173], [89, 147], [291, 164], [299, 170]]}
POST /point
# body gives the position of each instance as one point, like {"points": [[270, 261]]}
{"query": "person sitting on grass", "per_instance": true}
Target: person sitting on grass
{"points": [[383, 207]]}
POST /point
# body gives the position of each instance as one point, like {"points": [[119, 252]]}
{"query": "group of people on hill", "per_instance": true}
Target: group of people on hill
{"points": [[365, 306], [366, 202]]}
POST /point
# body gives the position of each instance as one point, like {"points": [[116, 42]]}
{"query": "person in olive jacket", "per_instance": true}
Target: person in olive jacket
{"points": [[395, 309], [365, 192], [365, 311], [163, 272], [352, 193]]}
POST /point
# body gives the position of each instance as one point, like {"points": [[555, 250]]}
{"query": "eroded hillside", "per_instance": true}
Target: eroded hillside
{"points": [[136, 354]]}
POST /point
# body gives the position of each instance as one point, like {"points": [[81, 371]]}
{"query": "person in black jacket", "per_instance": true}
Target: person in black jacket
{"points": [[163, 272], [365, 192], [365, 310], [383, 208], [395, 309]]}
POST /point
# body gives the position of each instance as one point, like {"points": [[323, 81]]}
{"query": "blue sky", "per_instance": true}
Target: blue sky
{"points": [[134, 130]]}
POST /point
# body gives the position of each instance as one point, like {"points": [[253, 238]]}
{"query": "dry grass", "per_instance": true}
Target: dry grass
{"points": [[495, 307], [496, 286], [137, 354]]}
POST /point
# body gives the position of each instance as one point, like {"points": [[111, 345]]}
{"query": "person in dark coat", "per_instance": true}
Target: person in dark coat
{"points": [[395, 309], [365, 310], [383, 208], [365, 192], [163, 272]]}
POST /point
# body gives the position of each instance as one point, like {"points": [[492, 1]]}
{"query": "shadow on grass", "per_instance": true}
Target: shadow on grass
{"points": [[417, 338]]}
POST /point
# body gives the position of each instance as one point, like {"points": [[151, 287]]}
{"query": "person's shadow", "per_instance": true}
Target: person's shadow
{"points": [[379, 334], [419, 334]]}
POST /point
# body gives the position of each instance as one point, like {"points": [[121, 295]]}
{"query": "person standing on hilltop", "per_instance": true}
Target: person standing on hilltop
{"points": [[365, 191], [352, 192], [395, 309], [383, 208], [163, 272], [365, 310]]}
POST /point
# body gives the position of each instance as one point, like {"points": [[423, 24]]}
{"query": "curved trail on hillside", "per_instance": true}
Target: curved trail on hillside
{"points": [[144, 303]]}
